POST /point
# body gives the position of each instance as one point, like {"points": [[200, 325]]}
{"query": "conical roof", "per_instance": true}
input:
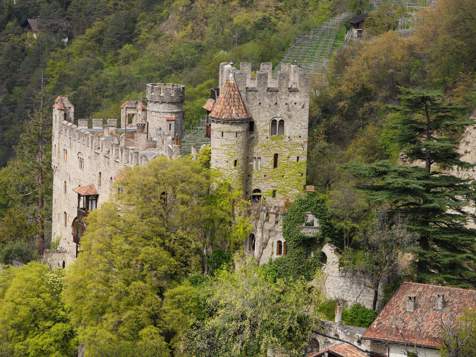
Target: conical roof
{"points": [[230, 105]]}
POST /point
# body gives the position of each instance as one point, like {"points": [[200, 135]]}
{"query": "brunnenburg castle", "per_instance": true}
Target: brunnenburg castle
{"points": [[257, 127]]}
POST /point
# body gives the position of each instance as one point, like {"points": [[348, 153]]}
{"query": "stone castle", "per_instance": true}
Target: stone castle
{"points": [[258, 129]]}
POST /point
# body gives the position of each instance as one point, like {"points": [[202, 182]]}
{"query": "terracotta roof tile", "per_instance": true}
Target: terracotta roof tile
{"points": [[58, 103], [230, 105], [341, 350], [423, 326], [89, 190], [61, 103]]}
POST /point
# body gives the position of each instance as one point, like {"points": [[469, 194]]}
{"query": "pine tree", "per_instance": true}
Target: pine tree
{"points": [[423, 189]]}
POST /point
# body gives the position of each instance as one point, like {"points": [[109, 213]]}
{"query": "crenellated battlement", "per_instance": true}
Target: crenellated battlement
{"points": [[288, 78], [95, 135], [165, 92]]}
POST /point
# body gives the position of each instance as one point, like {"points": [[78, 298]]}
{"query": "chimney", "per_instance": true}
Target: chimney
{"points": [[411, 303], [440, 302]]}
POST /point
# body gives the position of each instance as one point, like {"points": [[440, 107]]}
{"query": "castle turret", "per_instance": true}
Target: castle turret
{"points": [[63, 110], [165, 110], [229, 134]]}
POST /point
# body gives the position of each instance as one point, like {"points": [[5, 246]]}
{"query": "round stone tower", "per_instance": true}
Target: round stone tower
{"points": [[165, 110], [229, 135]]}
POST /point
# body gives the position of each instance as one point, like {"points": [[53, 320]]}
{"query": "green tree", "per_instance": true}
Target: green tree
{"points": [[422, 191], [459, 337], [159, 228], [250, 314], [33, 319]]}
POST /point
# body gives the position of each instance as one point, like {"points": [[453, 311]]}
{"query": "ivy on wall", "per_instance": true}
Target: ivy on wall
{"points": [[303, 250]]}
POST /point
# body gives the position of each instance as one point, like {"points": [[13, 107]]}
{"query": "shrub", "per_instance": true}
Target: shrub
{"points": [[358, 315]]}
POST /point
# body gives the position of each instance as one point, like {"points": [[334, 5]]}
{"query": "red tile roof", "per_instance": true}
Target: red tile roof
{"points": [[89, 190], [59, 103], [423, 326], [230, 105], [340, 350]]}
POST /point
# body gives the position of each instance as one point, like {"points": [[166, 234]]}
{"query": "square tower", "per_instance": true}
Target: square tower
{"points": [[277, 129]]}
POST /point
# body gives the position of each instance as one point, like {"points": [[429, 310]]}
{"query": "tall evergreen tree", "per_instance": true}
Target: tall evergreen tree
{"points": [[423, 188]]}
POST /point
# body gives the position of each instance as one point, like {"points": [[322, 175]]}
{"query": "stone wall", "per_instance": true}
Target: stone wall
{"points": [[345, 286]]}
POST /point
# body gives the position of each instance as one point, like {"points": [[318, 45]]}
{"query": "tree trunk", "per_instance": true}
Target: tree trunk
{"points": [[428, 138]]}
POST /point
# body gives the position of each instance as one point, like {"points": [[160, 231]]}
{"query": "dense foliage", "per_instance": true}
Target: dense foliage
{"points": [[433, 201], [33, 320], [356, 126], [248, 314]]}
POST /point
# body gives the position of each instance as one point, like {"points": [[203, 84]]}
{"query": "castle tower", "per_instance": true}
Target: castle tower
{"points": [[270, 110], [165, 110], [277, 104], [229, 134]]}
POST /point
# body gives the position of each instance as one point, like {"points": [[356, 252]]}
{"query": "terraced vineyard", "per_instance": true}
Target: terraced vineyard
{"points": [[312, 50]]}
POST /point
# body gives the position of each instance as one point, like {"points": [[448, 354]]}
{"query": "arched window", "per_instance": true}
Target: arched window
{"points": [[275, 161], [279, 248], [256, 195], [257, 163], [285, 248], [80, 160], [274, 127], [251, 242], [323, 258], [281, 127]]}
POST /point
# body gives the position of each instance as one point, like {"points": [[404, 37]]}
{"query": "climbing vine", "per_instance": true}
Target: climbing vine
{"points": [[303, 250]]}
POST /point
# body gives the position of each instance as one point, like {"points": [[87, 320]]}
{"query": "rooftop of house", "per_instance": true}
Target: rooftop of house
{"points": [[230, 105], [88, 190], [418, 314], [339, 350]]}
